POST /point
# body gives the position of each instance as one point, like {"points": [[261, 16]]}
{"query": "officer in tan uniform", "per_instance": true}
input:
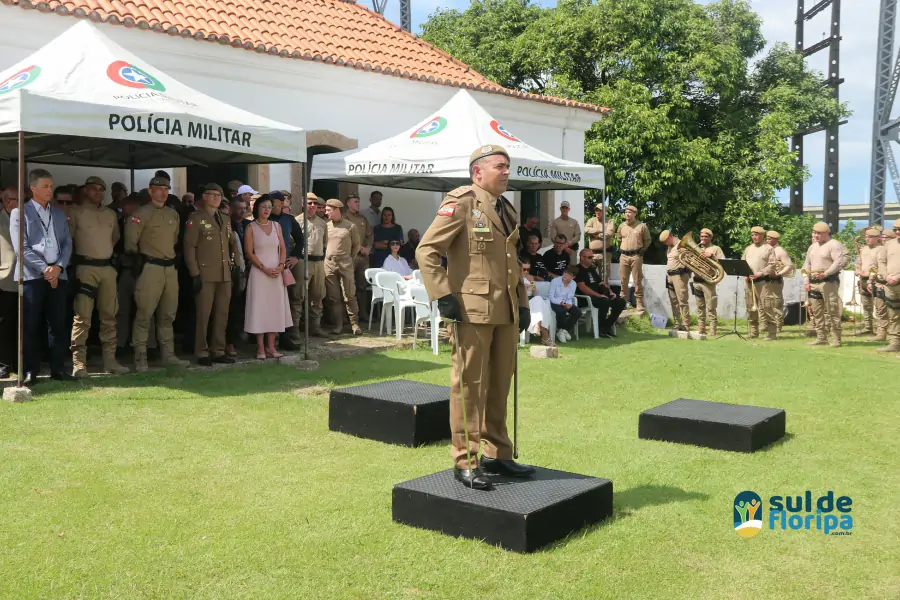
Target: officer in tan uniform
{"points": [[482, 292], [634, 239], [361, 262], [567, 226], [784, 267], [316, 240], [594, 230], [824, 261], [868, 259], [677, 278], [208, 247], [95, 232], [151, 234], [761, 258], [875, 285], [705, 292], [889, 271], [342, 248]]}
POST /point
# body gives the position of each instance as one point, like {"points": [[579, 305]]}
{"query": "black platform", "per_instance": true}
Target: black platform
{"points": [[401, 412], [713, 425], [518, 514]]}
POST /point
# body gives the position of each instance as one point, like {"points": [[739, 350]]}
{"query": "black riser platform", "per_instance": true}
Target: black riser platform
{"points": [[522, 515]]}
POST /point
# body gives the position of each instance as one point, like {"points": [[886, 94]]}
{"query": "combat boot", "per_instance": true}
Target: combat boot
{"points": [[79, 358], [315, 329], [140, 360], [712, 330], [701, 328], [893, 346], [110, 364], [169, 358]]}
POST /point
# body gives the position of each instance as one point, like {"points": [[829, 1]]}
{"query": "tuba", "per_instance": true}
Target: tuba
{"points": [[691, 254]]}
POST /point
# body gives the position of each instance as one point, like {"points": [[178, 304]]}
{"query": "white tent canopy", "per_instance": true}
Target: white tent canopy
{"points": [[434, 155], [84, 100]]}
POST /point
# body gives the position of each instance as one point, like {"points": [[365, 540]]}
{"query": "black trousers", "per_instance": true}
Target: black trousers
{"points": [[609, 310], [45, 310], [235, 315], [9, 330], [566, 318]]}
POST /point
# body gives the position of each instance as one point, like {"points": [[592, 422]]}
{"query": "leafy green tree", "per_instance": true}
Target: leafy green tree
{"points": [[697, 132]]}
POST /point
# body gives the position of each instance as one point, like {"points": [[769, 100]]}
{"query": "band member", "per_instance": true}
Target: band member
{"points": [[868, 260], [483, 292], [95, 232], [594, 231], [634, 239], [876, 286], [677, 278], [761, 258], [889, 270], [784, 267], [824, 261], [705, 292]]}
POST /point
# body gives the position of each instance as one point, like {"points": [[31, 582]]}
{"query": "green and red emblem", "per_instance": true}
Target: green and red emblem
{"points": [[131, 76], [19, 79]]}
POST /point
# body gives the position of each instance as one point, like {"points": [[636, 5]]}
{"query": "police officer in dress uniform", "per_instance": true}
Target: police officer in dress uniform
{"points": [[208, 246], [95, 232], [773, 238], [342, 248], [705, 292], [634, 239], [761, 258], [868, 256], [361, 262], [889, 270], [151, 235], [482, 291], [824, 261], [316, 240], [594, 230], [677, 282], [876, 287], [567, 226]]}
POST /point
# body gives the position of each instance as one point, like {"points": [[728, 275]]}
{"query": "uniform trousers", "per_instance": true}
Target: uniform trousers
{"points": [[97, 286], [601, 261], [340, 285], [827, 308], [9, 330], [892, 302], [212, 303], [481, 371], [874, 310], [776, 288], [763, 318], [155, 294], [45, 310], [126, 312], [679, 299], [295, 296], [632, 267], [359, 278], [236, 308], [707, 303], [881, 313], [316, 274]]}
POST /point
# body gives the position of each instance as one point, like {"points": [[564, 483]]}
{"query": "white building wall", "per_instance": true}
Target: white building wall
{"points": [[361, 105]]}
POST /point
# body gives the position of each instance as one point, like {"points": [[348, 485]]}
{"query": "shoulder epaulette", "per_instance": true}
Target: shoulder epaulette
{"points": [[460, 191]]}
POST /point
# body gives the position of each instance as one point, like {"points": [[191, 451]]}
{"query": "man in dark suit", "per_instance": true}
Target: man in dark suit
{"points": [[45, 256]]}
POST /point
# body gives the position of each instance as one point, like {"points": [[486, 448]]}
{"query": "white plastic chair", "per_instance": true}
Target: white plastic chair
{"points": [[377, 295], [417, 276], [591, 313], [387, 283], [403, 301], [426, 310]]}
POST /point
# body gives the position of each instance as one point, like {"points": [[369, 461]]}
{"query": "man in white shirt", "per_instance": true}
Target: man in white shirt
{"points": [[562, 302], [372, 213]]}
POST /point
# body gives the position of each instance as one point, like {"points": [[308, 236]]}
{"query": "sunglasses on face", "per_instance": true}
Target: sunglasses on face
{"points": [[65, 202], [395, 243]]}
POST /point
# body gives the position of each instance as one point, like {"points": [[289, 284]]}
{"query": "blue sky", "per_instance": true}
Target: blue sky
{"points": [[859, 30]]}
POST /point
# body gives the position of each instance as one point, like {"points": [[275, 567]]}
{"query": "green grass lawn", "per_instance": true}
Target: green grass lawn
{"points": [[229, 484]]}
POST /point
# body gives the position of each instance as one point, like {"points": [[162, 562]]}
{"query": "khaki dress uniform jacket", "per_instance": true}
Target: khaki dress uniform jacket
{"points": [[153, 232], [874, 313], [484, 274], [342, 248], [882, 318], [208, 247], [316, 240], [634, 240], [761, 259], [594, 230], [824, 299], [570, 228], [361, 262], [707, 296], [889, 264]]}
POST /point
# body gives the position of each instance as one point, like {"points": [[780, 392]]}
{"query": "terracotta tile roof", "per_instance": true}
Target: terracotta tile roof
{"points": [[330, 31]]}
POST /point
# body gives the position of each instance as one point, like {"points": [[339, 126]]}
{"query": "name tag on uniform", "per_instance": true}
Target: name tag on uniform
{"points": [[481, 229]]}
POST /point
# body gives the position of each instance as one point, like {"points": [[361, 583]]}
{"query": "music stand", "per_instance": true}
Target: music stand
{"points": [[736, 268]]}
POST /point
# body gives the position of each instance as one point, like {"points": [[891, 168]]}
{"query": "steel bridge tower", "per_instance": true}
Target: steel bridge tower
{"points": [[884, 129], [405, 12]]}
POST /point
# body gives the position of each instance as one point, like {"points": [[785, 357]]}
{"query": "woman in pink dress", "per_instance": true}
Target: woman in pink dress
{"points": [[268, 311]]}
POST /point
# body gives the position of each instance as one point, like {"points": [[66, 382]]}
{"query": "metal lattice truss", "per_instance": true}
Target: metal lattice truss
{"points": [[379, 6], [884, 129]]}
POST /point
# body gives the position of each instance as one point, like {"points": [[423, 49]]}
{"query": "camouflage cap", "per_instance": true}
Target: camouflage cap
{"points": [[94, 180], [159, 182]]}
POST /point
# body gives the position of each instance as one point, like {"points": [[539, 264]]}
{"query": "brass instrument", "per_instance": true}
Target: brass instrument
{"points": [[805, 275], [691, 255], [752, 287]]}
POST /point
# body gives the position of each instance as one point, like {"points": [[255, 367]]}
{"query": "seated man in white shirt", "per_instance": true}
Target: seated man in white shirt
{"points": [[396, 263], [562, 303]]}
